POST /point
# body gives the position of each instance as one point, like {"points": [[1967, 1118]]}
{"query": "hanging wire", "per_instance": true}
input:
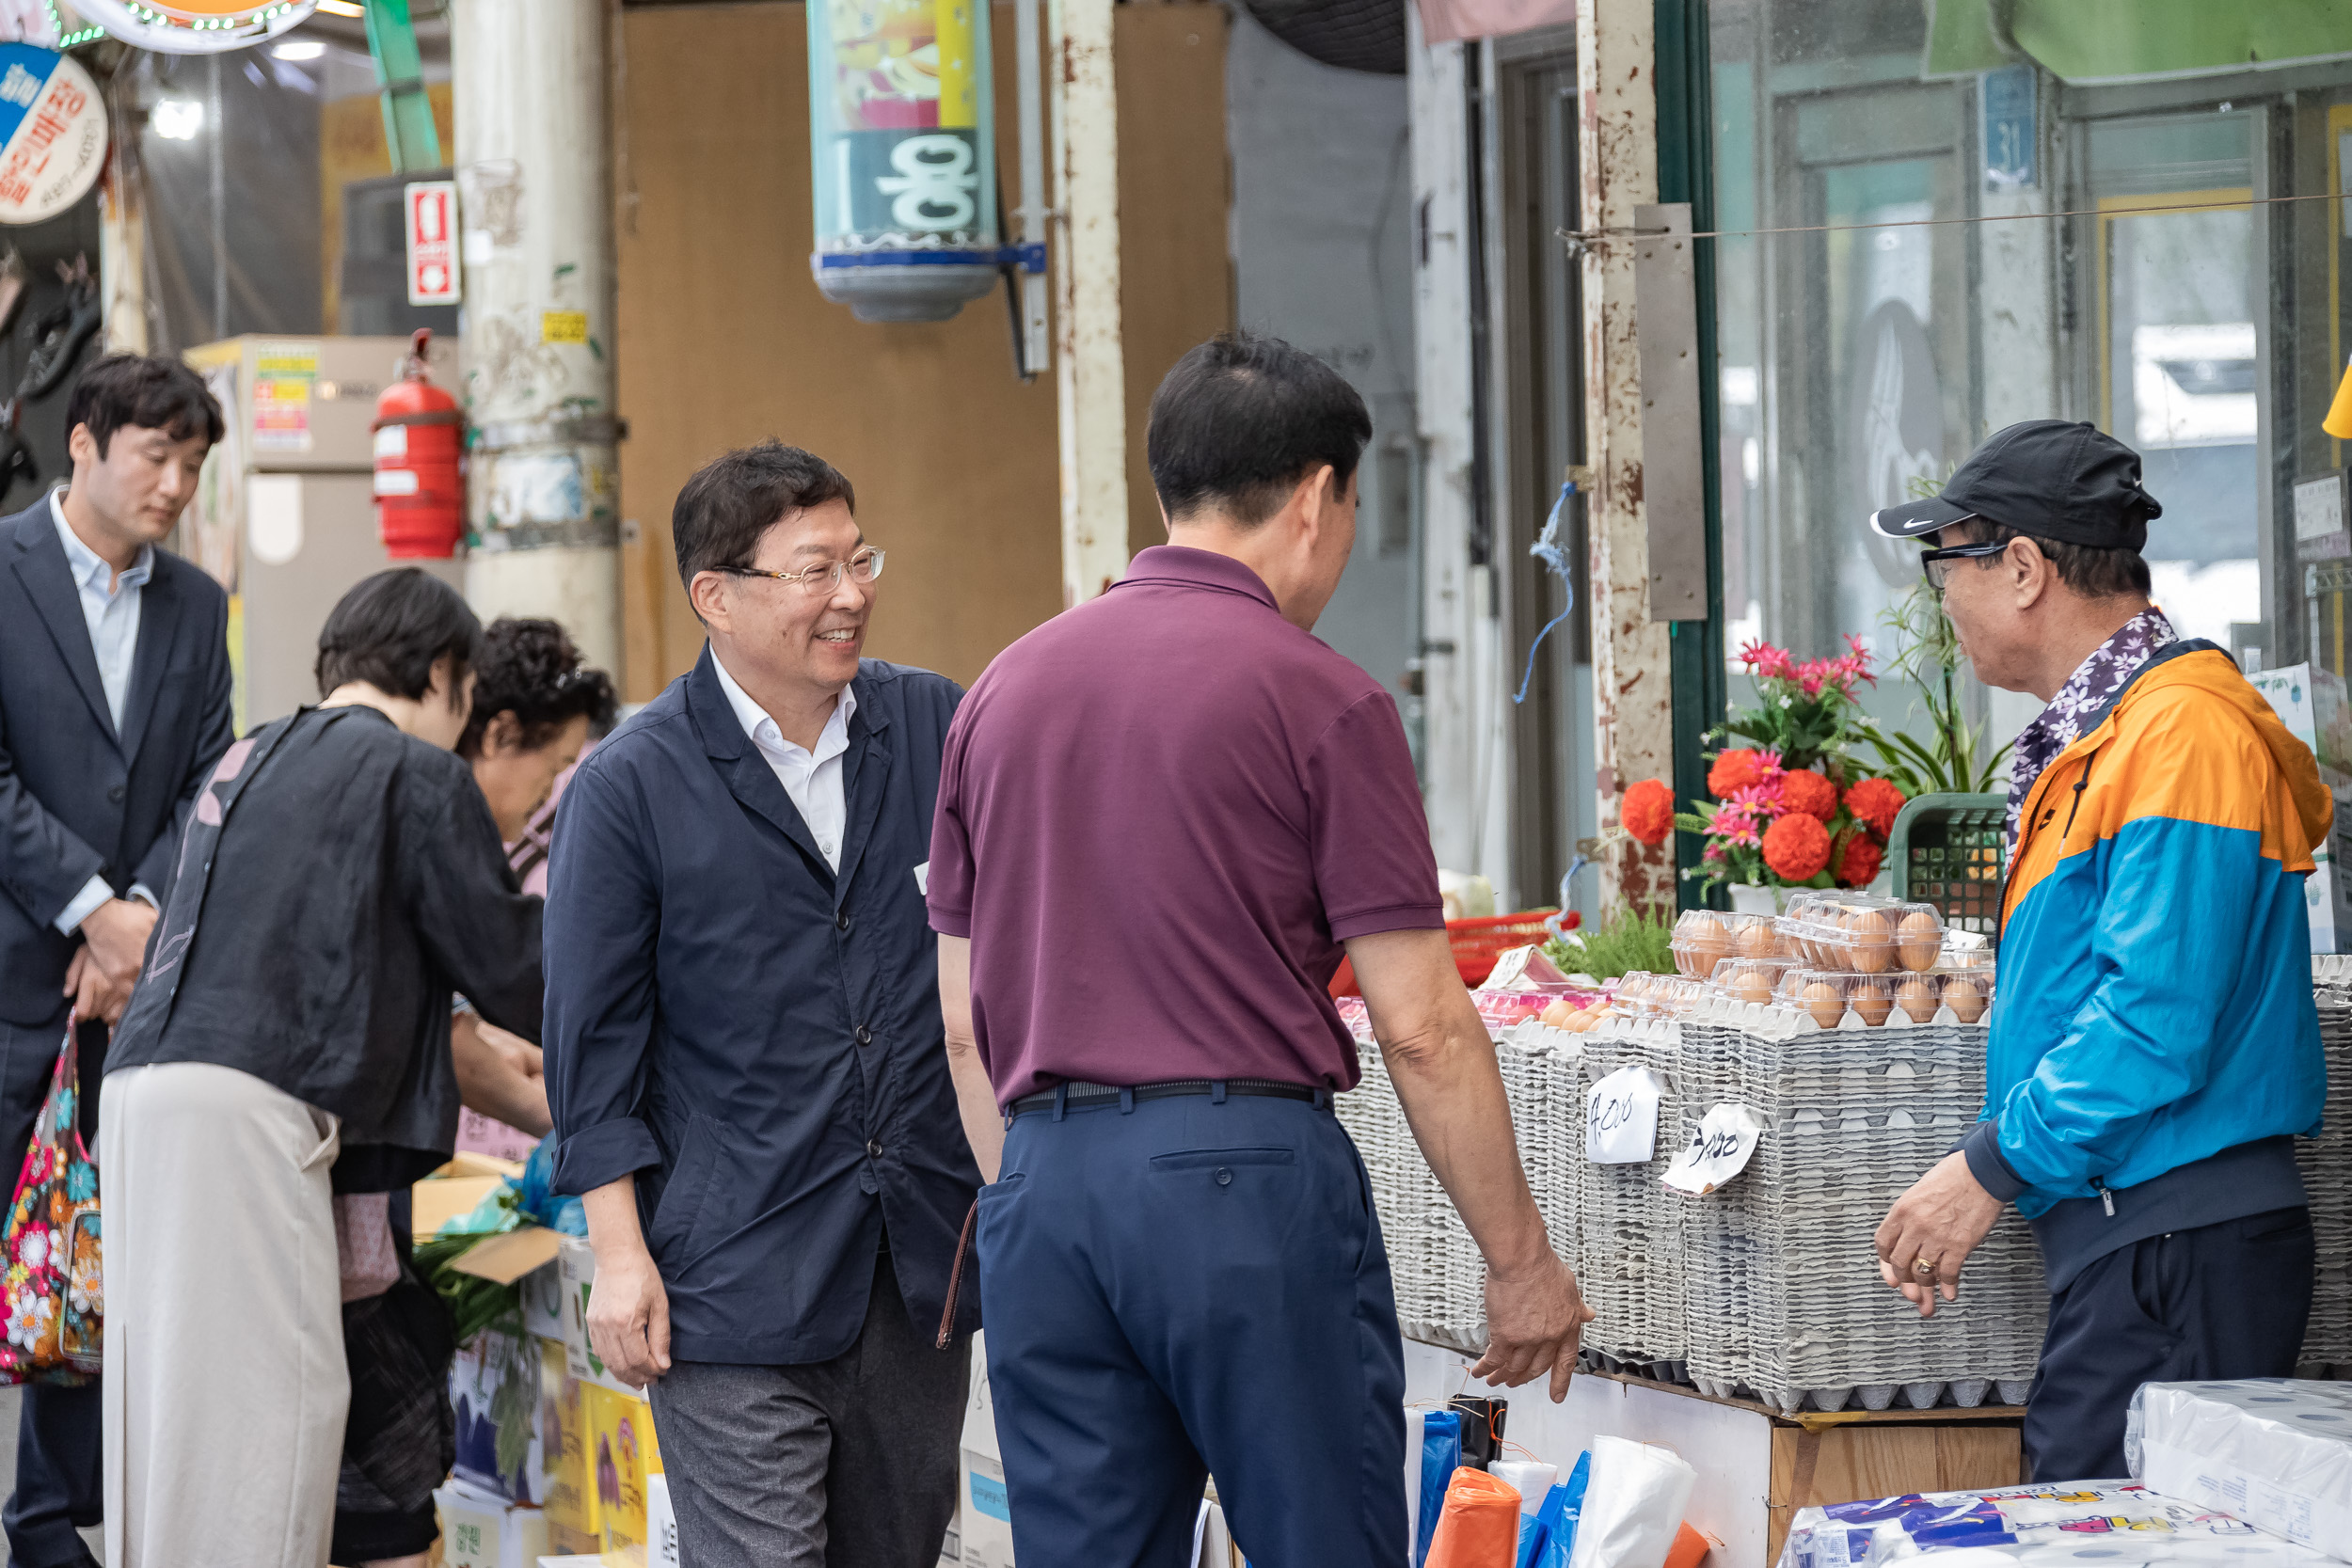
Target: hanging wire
{"points": [[1553, 552]]}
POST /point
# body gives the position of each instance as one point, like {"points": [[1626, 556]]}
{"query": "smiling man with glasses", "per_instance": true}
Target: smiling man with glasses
{"points": [[2156, 1048], [745, 1056]]}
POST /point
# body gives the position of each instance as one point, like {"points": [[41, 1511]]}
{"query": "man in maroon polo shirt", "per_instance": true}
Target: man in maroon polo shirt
{"points": [[1161, 817]]}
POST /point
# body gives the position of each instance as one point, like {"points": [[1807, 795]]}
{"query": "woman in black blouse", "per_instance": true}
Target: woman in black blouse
{"points": [[340, 874]]}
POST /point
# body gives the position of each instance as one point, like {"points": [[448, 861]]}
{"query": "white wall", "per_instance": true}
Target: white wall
{"points": [[1322, 257]]}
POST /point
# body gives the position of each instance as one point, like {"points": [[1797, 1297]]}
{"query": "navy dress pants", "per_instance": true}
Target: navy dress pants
{"points": [[1185, 1287], [2219, 1302]]}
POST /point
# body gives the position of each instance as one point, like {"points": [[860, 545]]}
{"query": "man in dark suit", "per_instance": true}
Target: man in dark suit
{"points": [[114, 706], [745, 1053]]}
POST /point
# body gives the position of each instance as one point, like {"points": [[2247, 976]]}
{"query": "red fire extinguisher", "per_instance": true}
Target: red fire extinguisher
{"points": [[419, 437]]}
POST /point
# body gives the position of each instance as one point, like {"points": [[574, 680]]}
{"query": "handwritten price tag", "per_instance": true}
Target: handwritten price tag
{"points": [[1718, 1151], [1621, 1118]]}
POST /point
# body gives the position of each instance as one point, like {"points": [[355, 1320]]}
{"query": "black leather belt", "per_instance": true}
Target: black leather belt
{"points": [[1088, 1096]]}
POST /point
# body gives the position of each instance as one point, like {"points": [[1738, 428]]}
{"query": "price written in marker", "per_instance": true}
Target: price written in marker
{"points": [[1719, 1150], [1621, 1117]]}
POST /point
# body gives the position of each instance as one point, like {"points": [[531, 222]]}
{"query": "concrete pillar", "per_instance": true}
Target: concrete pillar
{"points": [[1617, 171], [535, 201], [1089, 363]]}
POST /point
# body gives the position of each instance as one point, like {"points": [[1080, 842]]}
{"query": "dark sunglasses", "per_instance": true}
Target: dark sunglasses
{"points": [[1932, 562]]}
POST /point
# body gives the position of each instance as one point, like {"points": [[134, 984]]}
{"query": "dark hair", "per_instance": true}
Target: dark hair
{"points": [[531, 669], [2086, 569], [1243, 419], [388, 631], [149, 390], [732, 501]]}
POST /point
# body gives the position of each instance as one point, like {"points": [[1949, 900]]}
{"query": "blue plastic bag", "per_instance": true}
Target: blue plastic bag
{"points": [[535, 1195], [1555, 1522], [1440, 1455]]}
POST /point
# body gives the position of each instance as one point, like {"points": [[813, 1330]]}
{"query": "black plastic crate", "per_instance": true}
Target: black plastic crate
{"points": [[1945, 851]]}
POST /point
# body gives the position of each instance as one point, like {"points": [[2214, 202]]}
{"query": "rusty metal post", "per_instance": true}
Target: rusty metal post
{"points": [[1617, 172], [1090, 362]]}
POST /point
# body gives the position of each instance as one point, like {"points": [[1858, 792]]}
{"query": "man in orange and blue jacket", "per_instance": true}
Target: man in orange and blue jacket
{"points": [[2155, 1051]]}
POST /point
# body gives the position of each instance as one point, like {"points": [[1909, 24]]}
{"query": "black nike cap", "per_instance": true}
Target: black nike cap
{"points": [[2052, 479]]}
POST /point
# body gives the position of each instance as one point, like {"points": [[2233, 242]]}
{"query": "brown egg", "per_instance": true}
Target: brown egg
{"points": [[1558, 1014], [1704, 945], [1921, 939], [1872, 1003], [1755, 940], [1751, 984], [1577, 1022], [1826, 1002], [1917, 998], [1964, 998], [1870, 940]]}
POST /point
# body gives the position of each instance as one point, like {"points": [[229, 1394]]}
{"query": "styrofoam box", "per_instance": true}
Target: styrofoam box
{"points": [[2275, 1451], [482, 1530]]}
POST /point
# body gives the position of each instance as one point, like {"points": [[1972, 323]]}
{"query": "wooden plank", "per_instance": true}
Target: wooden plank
{"points": [[1851, 1464]]}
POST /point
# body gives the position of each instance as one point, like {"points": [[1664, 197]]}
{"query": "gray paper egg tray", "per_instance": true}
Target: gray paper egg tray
{"points": [[1629, 1257], [2327, 1163]]}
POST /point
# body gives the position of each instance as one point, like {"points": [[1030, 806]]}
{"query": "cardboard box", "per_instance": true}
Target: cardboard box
{"points": [[542, 1290], [481, 1529], [577, 1262], [660, 1524], [494, 1390], [570, 1488], [623, 1451]]}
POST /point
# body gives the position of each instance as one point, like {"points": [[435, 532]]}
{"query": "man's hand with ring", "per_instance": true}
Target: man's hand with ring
{"points": [[1931, 1230]]}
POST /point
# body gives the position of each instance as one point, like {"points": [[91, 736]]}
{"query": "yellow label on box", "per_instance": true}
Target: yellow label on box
{"points": [[565, 1445], [623, 1451], [562, 326]]}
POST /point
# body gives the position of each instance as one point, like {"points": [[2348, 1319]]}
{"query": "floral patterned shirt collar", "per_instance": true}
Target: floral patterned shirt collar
{"points": [[2110, 666]]}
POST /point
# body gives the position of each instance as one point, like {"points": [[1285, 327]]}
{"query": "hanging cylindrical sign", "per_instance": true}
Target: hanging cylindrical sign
{"points": [[901, 136], [53, 133], [193, 26]]}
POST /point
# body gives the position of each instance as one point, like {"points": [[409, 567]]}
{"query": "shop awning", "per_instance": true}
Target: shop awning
{"points": [[2105, 40]]}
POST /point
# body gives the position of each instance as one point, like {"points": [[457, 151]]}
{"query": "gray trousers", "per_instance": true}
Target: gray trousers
{"points": [[845, 1463]]}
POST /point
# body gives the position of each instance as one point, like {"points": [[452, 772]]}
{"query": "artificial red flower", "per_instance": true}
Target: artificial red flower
{"points": [[1796, 847], [1805, 792], [1736, 770], [1861, 861], [1649, 811], [1875, 804]]}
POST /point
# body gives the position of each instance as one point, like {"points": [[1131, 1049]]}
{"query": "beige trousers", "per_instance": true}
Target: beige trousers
{"points": [[225, 1384]]}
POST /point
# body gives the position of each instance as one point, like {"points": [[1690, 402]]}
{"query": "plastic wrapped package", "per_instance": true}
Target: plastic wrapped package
{"points": [[1749, 979], [2092, 1524], [2274, 1451], [1704, 938]]}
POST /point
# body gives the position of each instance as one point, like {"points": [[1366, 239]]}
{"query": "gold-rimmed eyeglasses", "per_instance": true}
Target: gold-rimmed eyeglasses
{"points": [[824, 577]]}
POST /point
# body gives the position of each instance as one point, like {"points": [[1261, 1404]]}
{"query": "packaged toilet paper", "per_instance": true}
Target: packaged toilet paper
{"points": [[2276, 1452], [2072, 1525]]}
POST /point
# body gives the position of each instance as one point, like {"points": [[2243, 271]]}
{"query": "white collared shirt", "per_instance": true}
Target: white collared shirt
{"points": [[812, 779], [110, 608]]}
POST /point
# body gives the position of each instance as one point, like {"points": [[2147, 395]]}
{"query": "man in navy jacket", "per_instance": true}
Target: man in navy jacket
{"points": [[114, 706], [745, 1053]]}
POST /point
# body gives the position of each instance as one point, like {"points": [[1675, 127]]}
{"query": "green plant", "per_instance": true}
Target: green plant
{"points": [[1628, 941], [1952, 757]]}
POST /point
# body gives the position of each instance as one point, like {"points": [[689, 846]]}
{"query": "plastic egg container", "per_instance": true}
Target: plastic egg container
{"points": [[1748, 979], [1704, 938], [1826, 995], [1641, 994], [1862, 935]]}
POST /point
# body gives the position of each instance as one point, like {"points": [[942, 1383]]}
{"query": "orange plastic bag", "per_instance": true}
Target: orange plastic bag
{"points": [[1479, 1526]]}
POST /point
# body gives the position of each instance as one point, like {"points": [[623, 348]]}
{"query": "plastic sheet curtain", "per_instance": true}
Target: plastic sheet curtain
{"points": [[230, 152]]}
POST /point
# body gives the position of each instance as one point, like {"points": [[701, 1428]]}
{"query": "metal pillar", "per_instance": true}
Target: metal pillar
{"points": [[122, 251], [1089, 364], [409, 134], [1632, 686], [534, 184]]}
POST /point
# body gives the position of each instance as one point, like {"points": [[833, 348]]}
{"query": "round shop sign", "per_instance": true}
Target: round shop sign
{"points": [[53, 133], [193, 26]]}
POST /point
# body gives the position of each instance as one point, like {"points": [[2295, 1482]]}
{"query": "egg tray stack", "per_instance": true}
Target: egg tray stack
{"points": [[2327, 1163], [1783, 1294], [1629, 1257]]}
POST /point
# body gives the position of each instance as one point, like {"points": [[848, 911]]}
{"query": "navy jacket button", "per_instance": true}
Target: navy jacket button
{"points": [[1224, 1177]]}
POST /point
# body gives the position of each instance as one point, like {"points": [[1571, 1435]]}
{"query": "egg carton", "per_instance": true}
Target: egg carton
{"points": [[2327, 1166]]}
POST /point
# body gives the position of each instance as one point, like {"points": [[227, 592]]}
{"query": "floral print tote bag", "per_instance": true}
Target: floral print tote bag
{"points": [[52, 1286]]}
